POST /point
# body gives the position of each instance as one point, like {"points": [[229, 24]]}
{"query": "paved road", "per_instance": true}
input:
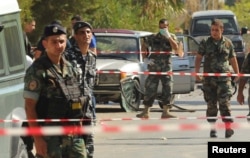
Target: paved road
{"points": [[171, 144]]}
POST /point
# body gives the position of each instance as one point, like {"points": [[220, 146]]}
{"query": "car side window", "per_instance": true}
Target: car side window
{"points": [[192, 46], [13, 48]]}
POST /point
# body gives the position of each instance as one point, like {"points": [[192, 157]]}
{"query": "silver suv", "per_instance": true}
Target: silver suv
{"points": [[200, 28], [120, 62]]}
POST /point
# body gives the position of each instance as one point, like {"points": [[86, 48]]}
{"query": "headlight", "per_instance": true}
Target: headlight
{"points": [[123, 75]]}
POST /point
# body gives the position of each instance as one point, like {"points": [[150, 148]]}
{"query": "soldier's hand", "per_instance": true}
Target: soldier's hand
{"points": [[240, 98], [199, 78], [41, 146], [236, 79], [179, 51]]}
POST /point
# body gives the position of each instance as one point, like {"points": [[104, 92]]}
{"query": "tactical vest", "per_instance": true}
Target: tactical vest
{"points": [[67, 101], [87, 65]]}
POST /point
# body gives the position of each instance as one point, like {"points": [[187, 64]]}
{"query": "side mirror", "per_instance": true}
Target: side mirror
{"points": [[244, 30], [1, 27]]}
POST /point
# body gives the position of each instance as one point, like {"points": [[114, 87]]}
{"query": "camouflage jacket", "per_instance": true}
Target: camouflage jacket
{"points": [[156, 43], [87, 64], [42, 84], [216, 56]]}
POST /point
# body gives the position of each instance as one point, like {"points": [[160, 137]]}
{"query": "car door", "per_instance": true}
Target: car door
{"points": [[190, 48]]}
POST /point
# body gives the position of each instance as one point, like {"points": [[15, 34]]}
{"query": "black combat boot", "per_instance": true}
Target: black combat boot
{"points": [[213, 133], [229, 133], [248, 117]]}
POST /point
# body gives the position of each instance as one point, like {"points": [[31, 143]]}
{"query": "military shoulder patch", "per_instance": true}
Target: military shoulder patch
{"points": [[33, 84]]}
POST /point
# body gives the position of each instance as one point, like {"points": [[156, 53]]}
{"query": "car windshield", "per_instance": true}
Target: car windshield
{"points": [[117, 47], [202, 26]]}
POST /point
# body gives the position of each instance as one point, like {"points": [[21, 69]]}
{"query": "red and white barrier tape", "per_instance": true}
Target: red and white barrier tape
{"points": [[114, 129], [43, 120], [136, 52], [175, 73], [177, 118], [124, 119]]}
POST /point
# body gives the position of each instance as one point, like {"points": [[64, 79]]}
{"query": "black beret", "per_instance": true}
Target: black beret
{"points": [[81, 24], [53, 29]]}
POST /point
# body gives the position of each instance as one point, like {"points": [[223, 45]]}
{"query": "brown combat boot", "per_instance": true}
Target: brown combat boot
{"points": [[144, 113], [166, 112]]}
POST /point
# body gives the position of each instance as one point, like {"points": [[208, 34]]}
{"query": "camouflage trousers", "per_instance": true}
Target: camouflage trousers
{"points": [[151, 85], [217, 92], [70, 146]]}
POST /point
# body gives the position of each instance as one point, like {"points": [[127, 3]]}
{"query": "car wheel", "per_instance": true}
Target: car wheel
{"points": [[131, 96], [171, 101]]}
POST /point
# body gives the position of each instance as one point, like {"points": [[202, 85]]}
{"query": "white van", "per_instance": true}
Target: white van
{"points": [[12, 71]]}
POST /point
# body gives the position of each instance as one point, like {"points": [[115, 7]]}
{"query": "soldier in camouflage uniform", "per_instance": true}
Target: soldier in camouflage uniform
{"points": [[162, 41], [51, 91], [218, 53], [245, 69], [81, 56]]}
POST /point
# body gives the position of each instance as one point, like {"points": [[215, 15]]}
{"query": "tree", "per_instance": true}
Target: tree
{"points": [[152, 11], [242, 12], [26, 13], [126, 14]]}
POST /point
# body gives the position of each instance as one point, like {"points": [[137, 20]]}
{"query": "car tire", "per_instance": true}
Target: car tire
{"points": [[131, 96], [171, 101]]}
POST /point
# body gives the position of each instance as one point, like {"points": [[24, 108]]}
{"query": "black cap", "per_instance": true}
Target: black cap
{"points": [[81, 24], [53, 29]]}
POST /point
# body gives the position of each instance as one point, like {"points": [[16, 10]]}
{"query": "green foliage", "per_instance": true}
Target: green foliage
{"points": [[242, 12], [26, 14], [126, 14]]}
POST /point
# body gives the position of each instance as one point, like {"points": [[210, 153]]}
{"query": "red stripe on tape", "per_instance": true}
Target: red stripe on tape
{"points": [[111, 129], [115, 129], [34, 131], [150, 128]]}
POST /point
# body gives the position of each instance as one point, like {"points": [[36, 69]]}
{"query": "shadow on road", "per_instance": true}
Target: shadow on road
{"points": [[109, 109]]}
